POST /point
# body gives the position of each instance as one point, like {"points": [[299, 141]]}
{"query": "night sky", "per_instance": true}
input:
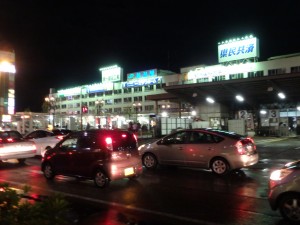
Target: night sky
{"points": [[61, 44]]}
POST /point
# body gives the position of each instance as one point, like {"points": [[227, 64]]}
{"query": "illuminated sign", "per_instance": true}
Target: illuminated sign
{"points": [[143, 74], [11, 101], [98, 87], [142, 82], [237, 49], [111, 73], [7, 60], [210, 72], [6, 118]]}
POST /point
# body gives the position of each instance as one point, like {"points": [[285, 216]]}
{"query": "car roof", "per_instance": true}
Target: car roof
{"points": [[59, 131], [216, 131]]}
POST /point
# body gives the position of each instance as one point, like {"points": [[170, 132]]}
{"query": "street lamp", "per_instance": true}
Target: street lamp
{"points": [[136, 106], [99, 105], [51, 103]]}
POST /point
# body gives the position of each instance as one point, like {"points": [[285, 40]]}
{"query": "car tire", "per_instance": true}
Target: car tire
{"points": [[289, 207], [150, 161], [21, 161], [219, 166], [48, 171], [101, 180]]}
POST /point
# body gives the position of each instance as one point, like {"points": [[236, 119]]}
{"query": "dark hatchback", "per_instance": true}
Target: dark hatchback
{"points": [[100, 155]]}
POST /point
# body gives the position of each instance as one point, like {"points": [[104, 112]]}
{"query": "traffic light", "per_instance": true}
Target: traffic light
{"points": [[84, 109]]}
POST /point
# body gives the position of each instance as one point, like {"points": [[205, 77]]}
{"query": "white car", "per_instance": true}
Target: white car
{"points": [[13, 146], [220, 151], [44, 139]]}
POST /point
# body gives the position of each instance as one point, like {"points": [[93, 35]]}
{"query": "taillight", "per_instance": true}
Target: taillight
{"points": [[240, 148], [108, 142], [10, 140]]}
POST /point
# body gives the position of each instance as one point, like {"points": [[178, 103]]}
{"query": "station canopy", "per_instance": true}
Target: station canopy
{"points": [[255, 91]]}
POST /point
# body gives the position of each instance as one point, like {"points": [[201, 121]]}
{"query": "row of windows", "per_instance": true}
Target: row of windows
{"points": [[120, 110], [115, 92], [250, 74]]}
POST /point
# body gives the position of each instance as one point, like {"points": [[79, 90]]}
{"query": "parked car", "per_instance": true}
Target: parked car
{"points": [[99, 154], [46, 139], [284, 191], [220, 151], [13, 146]]}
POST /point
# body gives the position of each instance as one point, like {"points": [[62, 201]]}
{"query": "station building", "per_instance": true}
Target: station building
{"points": [[240, 93]]}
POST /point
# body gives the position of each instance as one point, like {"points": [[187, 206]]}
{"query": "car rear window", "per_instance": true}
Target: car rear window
{"points": [[14, 135], [121, 140], [228, 134]]}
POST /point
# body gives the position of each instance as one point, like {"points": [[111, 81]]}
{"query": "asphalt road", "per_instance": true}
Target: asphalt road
{"points": [[169, 195]]}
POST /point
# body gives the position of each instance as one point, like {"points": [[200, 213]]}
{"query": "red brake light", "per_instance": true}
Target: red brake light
{"points": [[10, 140], [240, 148], [108, 142]]}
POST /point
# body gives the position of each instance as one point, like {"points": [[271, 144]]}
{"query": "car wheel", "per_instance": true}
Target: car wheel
{"points": [[289, 207], [101, 179], [219, 166], [150, 161], [48, 171], [21, 161]]}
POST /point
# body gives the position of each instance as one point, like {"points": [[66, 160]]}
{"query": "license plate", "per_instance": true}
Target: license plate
{"points": [[128, 171]]}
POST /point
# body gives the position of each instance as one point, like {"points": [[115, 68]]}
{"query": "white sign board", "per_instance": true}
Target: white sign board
{"points": [[236, 50]]}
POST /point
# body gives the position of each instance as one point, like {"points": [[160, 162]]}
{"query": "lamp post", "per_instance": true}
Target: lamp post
{"points": [[136, 106], [99, 105], [51, 103]]}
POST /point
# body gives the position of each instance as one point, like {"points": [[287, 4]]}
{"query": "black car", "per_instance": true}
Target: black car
{"points": [[101, 155]]}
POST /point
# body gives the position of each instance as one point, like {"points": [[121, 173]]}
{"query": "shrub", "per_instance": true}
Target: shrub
{"points": [[21, 209]]}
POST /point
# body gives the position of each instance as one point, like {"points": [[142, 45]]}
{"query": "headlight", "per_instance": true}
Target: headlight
{"points": [[280, 174]]}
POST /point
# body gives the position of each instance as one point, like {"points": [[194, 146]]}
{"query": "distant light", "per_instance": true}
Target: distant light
{"points": [[298, 108], [263, 112], [7, 67], [239, 98], [164, 114], [210, 100], [281, 95], [193, 113]]}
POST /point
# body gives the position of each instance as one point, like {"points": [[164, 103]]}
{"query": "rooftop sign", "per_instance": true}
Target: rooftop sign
{"points": [[237, 49], [143, 74], [111, 73]]}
